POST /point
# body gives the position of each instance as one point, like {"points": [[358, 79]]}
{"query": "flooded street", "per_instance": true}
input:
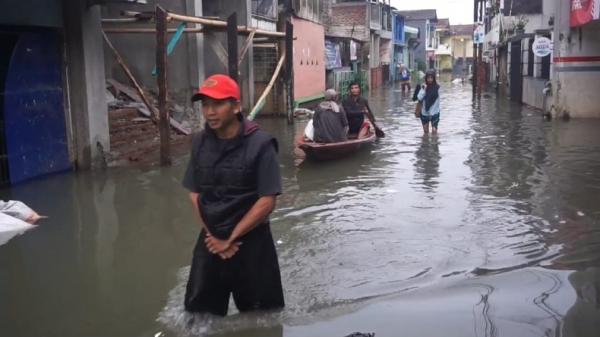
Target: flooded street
{"points": [[491, 228]]}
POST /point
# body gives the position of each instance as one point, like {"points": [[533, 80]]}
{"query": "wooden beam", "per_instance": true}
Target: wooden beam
{"points": [[247, 44], [223, 24], [232, 47], [121, 62], [121, 30], [161, 66], [261, 101], [119, 20]]}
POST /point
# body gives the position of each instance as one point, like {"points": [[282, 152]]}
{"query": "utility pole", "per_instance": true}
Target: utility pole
{"points": [[475, 46]]}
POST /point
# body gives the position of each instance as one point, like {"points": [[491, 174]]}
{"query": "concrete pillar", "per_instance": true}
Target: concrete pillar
{"points": [[196, 47], [85, 72]]}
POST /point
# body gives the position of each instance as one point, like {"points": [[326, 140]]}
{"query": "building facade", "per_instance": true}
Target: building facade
{"points": [[53, 114], [550, 76], [425, 21]]}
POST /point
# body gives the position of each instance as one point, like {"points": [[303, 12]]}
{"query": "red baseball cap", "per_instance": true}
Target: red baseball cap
{"points": [[218, 87]]}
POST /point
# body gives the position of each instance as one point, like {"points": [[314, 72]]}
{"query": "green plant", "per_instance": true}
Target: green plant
{"points": [[521, 22]]}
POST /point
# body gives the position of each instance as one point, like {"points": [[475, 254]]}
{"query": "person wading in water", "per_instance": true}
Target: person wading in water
{"points": [[429, 96], [233, 177]]}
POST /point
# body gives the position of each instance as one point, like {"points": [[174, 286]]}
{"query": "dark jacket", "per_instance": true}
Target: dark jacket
{"points": [[330, 126], [225, 175]]}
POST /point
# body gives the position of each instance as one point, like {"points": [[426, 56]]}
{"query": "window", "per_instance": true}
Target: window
{"points": [[265, 8]]}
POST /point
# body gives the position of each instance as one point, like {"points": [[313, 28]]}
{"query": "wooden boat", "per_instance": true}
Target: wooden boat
{"points": [[331, 151]]}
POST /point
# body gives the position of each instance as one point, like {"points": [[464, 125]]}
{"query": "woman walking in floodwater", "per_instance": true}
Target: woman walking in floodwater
{"points": [[429, 96]]}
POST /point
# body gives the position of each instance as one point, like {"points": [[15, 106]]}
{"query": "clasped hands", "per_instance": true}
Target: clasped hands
{"points": [[226, 249]]}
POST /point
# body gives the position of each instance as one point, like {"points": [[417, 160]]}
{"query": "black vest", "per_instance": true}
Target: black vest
{"points": [[226, 177]]}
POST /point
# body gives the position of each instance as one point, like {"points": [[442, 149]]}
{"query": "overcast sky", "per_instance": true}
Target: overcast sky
{"points": [[459, 11]]}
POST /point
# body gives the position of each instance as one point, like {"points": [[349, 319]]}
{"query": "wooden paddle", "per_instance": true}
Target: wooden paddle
{"points": [[378, 132]]}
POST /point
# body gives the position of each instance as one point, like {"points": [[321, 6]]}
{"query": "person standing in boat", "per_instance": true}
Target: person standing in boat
{"points": [[429, 96], [356, 107], [233, 178], [330, 121]]}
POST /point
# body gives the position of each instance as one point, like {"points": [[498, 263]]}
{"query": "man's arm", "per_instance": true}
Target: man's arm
{"points": [[194, 199], [369, 112], [256, 216]]}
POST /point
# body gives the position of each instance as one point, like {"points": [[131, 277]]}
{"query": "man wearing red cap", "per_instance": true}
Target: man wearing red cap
{"points": [[233, 177]]}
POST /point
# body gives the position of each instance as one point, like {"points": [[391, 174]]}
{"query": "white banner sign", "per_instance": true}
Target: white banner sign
{"points": [[542, 46]]}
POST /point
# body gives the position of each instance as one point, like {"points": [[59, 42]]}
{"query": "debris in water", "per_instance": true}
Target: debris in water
{"points": [[159, 334], [279, 242], [360, 334], [580, 213]]}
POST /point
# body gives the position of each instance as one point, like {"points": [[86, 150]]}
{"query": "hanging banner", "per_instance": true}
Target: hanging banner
{"points": [[542, 46], [332, 55], [584, 11], [353, 48], [479, 34]]}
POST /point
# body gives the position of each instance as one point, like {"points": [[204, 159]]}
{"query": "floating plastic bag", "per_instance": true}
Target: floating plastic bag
{"points": [[13, 219]]}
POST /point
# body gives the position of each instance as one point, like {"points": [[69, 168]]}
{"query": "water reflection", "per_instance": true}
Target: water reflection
{"points": [[511, 213], [427, 163], [583, 318]]}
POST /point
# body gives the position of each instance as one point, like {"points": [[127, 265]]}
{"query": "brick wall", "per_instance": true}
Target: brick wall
{"points": [[348, 20], [349, 14]]}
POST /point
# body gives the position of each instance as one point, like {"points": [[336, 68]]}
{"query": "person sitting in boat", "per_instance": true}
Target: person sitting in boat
{"points": [[356, 107], [329, 121]]}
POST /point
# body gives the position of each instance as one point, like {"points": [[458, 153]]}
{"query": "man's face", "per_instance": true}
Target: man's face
{"points": [[355, 90], [219, 114]]}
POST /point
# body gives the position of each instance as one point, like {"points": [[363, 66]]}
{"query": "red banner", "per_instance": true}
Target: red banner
{"points": [[584, 11]]}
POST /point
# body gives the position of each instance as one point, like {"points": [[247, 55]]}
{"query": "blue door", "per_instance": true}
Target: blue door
{"points": [[34, 114]]}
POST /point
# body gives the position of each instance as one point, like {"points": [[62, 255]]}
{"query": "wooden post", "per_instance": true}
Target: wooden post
{"points": [[475, 65], [289, 71], [232, 46], [161, 67]]}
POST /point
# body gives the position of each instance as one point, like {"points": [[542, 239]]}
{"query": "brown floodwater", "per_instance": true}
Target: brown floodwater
{"points": [[491, 228]]}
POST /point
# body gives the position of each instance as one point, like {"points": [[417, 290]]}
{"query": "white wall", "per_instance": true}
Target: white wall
{"points": [[577, 67]]}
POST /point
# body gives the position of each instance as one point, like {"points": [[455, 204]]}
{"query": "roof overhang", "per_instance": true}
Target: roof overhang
{"points": [[411, 30]]}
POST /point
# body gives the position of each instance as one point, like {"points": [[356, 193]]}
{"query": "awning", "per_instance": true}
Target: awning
{"points": [[584, 11], [411, 30]]}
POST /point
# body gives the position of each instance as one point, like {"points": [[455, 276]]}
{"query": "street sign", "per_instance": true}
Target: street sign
{"points": [[542, 46]]}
